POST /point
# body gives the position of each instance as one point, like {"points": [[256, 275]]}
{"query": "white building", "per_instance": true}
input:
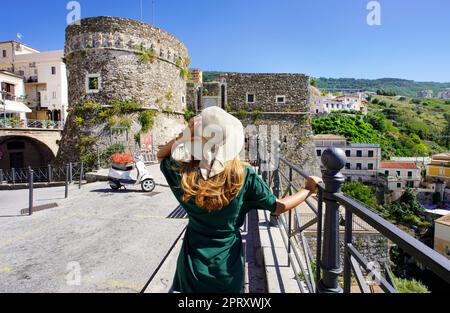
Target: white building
{"points": [[12, 107], [363, 160], [45, 78], [444, 94], [400, 175], [325, 104]]}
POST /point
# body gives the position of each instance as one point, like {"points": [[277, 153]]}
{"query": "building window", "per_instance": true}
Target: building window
{"points": [[182, 99], [4, 53], [93, 83], [328, 105], [281, 99], [358, 166], [399, 185], [53, 70], [370, 154], [359, 153], [347, 153], [410, 173], [386, 172], [398, 173], [370, 166], [347, 166], [319, 153], [54, 95], [251, 98]]}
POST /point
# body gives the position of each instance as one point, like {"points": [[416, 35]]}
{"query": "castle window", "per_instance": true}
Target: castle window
{"points": [[281, 99], [251, 98], [182, 99], [53, 70], [4, 53], [93, 83]]}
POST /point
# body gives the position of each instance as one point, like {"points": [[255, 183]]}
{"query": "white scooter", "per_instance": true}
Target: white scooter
{"points": [[119, 176]]}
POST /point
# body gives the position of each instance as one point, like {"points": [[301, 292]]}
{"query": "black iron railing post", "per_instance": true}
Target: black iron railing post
{"points": [[49, 169], [274, 165], [66, 193], [1, 176], [70, 172], [13, 174], [347, 240], [81, 175], [30, 188], [334, 160]]}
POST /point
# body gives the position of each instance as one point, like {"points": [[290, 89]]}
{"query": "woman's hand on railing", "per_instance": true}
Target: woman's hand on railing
{"points": [[290, 202], [312, 182]]}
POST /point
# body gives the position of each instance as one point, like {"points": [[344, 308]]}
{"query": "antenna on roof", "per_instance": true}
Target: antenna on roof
{"points": [[153, 12], [19, 37]]}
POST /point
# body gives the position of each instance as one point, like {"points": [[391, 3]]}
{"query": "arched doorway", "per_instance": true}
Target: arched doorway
{"points": [[21, 152]]}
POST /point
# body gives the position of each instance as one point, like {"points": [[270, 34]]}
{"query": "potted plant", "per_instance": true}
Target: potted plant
{"points": [[122, 160], [45, 123]]}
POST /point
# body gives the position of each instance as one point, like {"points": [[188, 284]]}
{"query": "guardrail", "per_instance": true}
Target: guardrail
{"points": [[33, 124], [323, 277], [45, 174]]}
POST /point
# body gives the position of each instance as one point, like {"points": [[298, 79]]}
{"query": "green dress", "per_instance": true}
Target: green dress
{"points": [[211, 258]]}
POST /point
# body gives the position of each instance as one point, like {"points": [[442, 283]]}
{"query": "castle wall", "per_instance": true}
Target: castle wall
{"points": [[110, 50]]}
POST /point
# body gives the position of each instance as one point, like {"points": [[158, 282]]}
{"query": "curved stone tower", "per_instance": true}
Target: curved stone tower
{"points": [[118, 60]]}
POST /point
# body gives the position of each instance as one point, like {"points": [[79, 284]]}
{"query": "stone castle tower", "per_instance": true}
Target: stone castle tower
{"points": [[117, 69]]}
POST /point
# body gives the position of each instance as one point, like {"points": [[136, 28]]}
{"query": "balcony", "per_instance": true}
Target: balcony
{"points": [[9, 96], [334, 216]]}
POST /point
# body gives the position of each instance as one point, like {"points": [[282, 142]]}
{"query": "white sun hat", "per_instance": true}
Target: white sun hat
{"points": [[217, 139]]}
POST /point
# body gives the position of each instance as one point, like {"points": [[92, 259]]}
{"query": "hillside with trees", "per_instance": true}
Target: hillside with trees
{"points": [[396, 86], [403, 127]]}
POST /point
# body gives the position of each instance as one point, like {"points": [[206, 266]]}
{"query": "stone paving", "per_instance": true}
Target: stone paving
{"points": [[94, 241]]}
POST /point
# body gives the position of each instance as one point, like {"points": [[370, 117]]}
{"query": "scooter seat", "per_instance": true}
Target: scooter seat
{"points": [[122, 167]]}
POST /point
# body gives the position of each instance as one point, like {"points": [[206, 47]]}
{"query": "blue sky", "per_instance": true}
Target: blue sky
{"points": [[328, 38]]}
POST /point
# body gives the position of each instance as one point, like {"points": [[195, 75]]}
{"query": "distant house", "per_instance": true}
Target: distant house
{"points": [[442, 235], [363, 160], [426, 94], [439, 168], [445, 94], [400, 175], [325, 104]]}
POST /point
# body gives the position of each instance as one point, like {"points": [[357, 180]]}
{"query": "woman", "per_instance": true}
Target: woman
{"points": [[217, 190]]}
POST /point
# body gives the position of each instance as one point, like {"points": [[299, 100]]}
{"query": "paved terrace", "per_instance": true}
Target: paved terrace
{"points": [[118, 239]]}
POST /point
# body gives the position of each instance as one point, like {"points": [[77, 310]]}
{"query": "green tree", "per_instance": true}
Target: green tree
{"points": [[360, 192]]}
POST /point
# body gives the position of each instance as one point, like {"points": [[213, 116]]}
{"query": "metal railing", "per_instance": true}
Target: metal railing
{"points": [[44, 174], [4, 95], [33, 124], [322, 272]]}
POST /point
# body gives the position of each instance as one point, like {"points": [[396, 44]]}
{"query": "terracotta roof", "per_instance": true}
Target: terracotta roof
{"points": [[401, 165], [444, 220], [328, 137]]}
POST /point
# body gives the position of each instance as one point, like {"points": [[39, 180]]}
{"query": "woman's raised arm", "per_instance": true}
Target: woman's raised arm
{"points": [[290, 202]]}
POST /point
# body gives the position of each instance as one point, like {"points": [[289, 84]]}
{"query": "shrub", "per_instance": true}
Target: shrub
{"points": [[147, 119], [359, 192], [188, 114], [409, 286], [241, 113]]}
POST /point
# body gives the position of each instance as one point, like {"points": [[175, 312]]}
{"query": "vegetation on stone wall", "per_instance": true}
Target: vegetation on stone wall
{"points": [[117, 113], [145, 55], [188, 114]]}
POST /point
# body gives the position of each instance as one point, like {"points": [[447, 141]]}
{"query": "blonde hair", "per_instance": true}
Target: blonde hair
{"points": [[215, 193]]}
